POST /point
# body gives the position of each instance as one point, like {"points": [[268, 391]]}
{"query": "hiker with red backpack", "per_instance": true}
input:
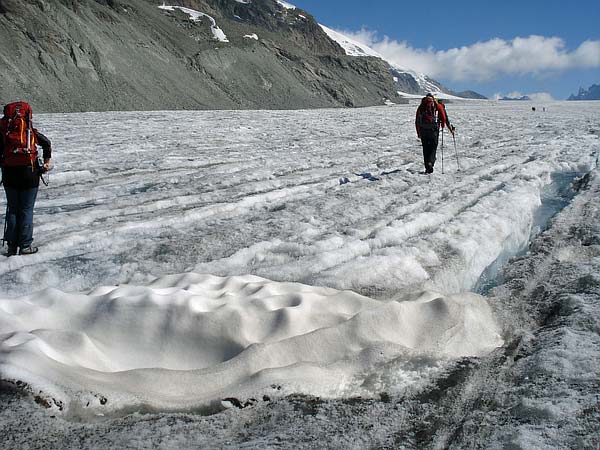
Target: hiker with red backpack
{"points": [[21, 172], [430, 117]]}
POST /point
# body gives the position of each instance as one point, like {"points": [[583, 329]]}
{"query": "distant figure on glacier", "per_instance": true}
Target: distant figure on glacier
{"points": [[21, 172], [430, 117]]}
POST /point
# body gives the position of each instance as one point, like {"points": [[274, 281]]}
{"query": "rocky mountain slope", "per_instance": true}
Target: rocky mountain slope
{"points": [[470, 94], [94, 55]]}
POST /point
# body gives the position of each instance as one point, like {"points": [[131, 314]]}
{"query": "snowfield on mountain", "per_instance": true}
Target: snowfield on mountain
{"points": [[290, 279]]}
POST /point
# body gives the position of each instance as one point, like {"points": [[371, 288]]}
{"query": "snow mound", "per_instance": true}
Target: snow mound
{"points": [[185, 342]]}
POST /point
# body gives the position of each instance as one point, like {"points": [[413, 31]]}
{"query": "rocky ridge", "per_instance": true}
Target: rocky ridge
{"points": [[95, 55], [592, 93]]}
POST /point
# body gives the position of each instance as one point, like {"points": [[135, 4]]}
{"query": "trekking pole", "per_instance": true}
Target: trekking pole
{"points": [[456, 152], [442, 151], [5, 225]]}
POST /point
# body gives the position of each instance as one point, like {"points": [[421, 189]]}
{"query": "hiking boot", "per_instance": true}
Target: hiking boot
{"points": [[12, 251], [28, 250]]}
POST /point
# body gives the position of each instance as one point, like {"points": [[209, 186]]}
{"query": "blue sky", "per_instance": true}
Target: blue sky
{"points": [[439, 38]]}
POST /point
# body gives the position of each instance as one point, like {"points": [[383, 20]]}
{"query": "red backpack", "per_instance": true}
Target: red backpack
{"points": [[428, 119], [18, 136]]}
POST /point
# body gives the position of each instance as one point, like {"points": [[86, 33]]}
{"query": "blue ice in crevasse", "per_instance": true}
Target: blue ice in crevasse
{"points": [[555, 197]]}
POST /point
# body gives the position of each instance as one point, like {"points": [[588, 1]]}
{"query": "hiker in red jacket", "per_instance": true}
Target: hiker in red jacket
{"points": [[429, 118], [21, 173]]}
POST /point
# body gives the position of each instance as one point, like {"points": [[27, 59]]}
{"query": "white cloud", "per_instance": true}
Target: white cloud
{"points": [[514, 94], [535, 96], [486, 60], [541, 97]]}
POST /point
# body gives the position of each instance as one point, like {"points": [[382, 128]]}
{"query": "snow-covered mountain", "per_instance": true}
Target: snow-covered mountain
{"points": [[520, 98], [193, 54], [410, 83], [592, 93]]}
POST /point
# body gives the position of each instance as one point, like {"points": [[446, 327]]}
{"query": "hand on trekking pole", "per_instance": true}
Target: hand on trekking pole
{"points": [[47, 164]]}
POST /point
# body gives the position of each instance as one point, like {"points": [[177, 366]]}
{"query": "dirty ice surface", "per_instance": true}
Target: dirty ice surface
{"points": [[190, 257]]}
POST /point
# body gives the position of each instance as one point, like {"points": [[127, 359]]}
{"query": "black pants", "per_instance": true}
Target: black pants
{"points": [[429, 140]]}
